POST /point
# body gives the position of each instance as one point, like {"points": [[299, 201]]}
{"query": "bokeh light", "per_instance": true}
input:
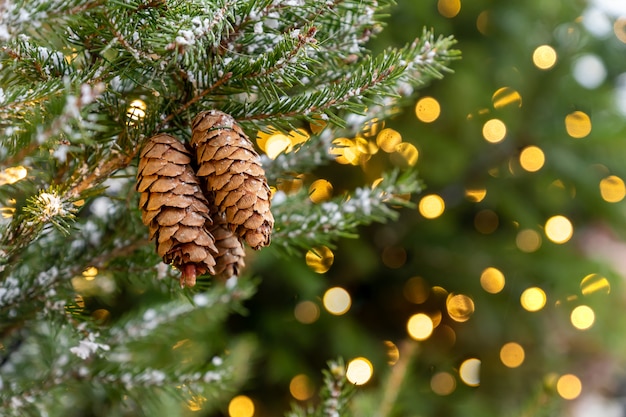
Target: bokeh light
{"points": [[512, 354], [492, 280], [533, 299], [589, 71], [494, 130], [544, 57], [595, 283], [582, 317], [486, 221], [443, 383], [449, 8], [427, 109], [301, 387], [532, 158], [528, 240], [241, 406], [619, 29], [405, 155], [559, 229], [90, 273], [416, 290], [482, 22], [393, 353], [612, 189], [320, 191], [431, 206], [317, 125], [475, 195], [372, 127], [360, 370], [460, 307], [136, 111], [388, 139], [578, 124], [276, 144], [337, 301], [306, 312], [569, 386], [420, 326], [12, 175], [394, 257], [320, 259], [469, 372], [506, 96]]}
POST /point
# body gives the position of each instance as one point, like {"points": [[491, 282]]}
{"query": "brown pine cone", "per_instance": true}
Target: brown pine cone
{"points": [[230, 253], [174, 208], [232, 173]]}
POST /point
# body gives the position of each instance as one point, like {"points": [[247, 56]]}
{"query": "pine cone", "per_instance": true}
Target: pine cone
{"points": [[230, 252], [234, 179], [174, 208]]}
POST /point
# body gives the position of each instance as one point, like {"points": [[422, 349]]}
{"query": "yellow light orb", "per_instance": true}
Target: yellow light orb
{"points": [[297, 137], [595, 283], [320, 259], [277, 144], [372, 127], [301, 387], [460, 307], [528, 240], [262, 137], [318, 124], [337, 301], [443, 383], [532, 158], [559, 229], [405, 156], [136, 110], [11, 175], [533, 299], [431, 206], [360, 370], [344, 148], [320, 191], [449, 8], [569, 386], [506, 96], [393, 353], [416, 290], [475, 195], [469, 372], [492, 280], [427, 109], [494, 130], [90, 273], [306, 312], [612, 189], [241, 406], [486, 221], [544, 57], [512, 355], [582, 317], [578, 124], [420, 326], [388, 139]]}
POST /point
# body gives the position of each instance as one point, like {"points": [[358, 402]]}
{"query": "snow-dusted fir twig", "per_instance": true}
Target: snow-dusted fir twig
{"points": [[303, 224]]}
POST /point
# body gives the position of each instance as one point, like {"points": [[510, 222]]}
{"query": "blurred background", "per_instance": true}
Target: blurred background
{"points": [[501, 292]]}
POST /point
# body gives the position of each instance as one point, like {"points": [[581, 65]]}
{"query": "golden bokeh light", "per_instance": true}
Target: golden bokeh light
{"points": [[595, 283], [492, 280], [345, 151], [475, 195], [359, 371], [317, 125], [241, 406], [449, 8], [290, 185], [90, 273], [469, 372], [372, 127], [512, 355], [301, 387], [416, 290], [533, 299], [405, 155], [11, 175], [482, 22], [297, 137], [393, 353], [486, 221], [612, 189], [532, 158], [443, 383], [320, 190], [569, 386], [528, 240], [494, 131], [506, 96], [262, 137], [337, 301], [619, 28], [578, 124], [320, 259], [427, 109], [136, 111], [544, 57], [388, 139], [431, 206], [277, 144], [460, 307], [436, 317], [306, 312], [559, 229], [582, 317], [420, 326]]}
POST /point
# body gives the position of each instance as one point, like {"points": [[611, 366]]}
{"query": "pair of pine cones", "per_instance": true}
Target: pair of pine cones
{"points": [[202, 201]]}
